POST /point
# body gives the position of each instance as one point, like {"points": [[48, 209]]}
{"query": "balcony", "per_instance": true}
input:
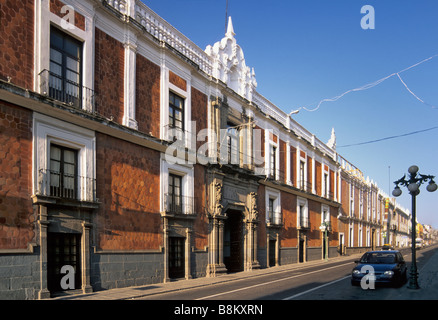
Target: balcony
{"points": [[274, 218], [179, 205], [303, 223], [61, 186], [66, 91]]}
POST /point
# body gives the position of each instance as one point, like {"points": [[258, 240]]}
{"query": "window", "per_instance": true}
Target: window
{"points": [[351, 199], [232, 144], [271, 209], [175, 193], [325, 214], [65, 80], [176, 111], [63, 172], [273, 161], [303, 217], [325, 185], [302, 174]]}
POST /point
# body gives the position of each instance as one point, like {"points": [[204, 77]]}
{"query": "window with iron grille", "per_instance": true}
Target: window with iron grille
{"points": [[233, 143], [271, 209], [302, 174], [175, 194], [176, 111], [65, 76], [273, 162], [63, 172]]}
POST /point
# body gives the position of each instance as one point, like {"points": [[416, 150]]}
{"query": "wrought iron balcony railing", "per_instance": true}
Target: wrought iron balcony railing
{"points": [[274, 217], [177, 204], [67, 91], [303, 222], [52, 183]]}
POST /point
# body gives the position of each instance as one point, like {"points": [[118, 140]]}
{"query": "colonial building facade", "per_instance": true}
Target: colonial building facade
{"points": [[132, 156]]}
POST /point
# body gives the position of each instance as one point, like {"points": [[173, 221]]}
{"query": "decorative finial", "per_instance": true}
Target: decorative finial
{"points": [[230, 30]]}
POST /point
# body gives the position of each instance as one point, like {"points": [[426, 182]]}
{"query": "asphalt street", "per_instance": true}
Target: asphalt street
{"points": [[330, 281]]}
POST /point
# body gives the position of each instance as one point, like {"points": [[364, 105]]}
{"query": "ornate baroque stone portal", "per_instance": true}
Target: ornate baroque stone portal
{"points": [[231, 195]]}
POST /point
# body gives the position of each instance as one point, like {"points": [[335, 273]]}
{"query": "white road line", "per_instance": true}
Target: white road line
{"points": [[270, 282], [316, 288]]}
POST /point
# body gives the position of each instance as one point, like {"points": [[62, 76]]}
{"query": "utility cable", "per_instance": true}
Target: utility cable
{"points": [[373, 84], [387, 138]]}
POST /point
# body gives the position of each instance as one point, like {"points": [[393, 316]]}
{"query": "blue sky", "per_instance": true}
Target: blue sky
{"points": [[307, 51]]}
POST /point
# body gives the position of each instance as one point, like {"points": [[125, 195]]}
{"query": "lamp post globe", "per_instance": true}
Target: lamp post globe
{"points": [[431, 187], [396, 192], [413, 169], [413, 187]]}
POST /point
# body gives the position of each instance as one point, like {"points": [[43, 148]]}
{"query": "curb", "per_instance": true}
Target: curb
{"points": [[125, 294]]}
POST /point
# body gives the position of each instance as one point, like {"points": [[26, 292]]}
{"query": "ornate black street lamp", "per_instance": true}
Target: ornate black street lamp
{"points": [[413, 184]]}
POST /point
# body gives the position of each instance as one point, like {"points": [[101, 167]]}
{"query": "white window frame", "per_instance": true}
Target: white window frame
{"points": [[302, 182], [302, 202], [44, 18], [47, 131], [351, 198], [187, 188], [325, 208], [270, 143], [166, 88], [276, 196], [325, 186]]}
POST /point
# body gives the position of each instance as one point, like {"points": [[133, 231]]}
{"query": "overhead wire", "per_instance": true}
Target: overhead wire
{"points": [[375, 83], [387, 138]]}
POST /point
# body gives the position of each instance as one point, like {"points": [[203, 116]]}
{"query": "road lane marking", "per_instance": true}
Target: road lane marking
{"points": [[270, 282], [316, 288]]}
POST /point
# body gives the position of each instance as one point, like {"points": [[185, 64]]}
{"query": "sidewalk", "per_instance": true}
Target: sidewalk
{"points": [[428, 281], [158, 288]]}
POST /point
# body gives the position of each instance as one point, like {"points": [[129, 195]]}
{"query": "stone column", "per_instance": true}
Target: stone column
{"points": [[129, 85], [220, 246], [86, 287], [188, 274], [43, 224], [166, 250]]}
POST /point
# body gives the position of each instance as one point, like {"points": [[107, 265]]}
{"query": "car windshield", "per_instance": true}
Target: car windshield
{"points": [[378, 258]]}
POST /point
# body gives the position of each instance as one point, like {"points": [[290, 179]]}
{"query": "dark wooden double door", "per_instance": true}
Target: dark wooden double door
{"points": [[233, 241], [63, 249]]}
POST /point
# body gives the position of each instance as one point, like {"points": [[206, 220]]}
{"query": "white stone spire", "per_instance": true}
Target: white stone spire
{"points": [[229, 64], [332, 142], [230, 30]]}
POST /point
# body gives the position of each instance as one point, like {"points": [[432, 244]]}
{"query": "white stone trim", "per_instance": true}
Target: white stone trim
{"points": [[47, 130], [187, 173], [44, 18]]}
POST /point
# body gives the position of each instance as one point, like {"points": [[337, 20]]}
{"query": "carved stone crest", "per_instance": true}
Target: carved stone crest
{"points": [[218, 207], [253, 212]]}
